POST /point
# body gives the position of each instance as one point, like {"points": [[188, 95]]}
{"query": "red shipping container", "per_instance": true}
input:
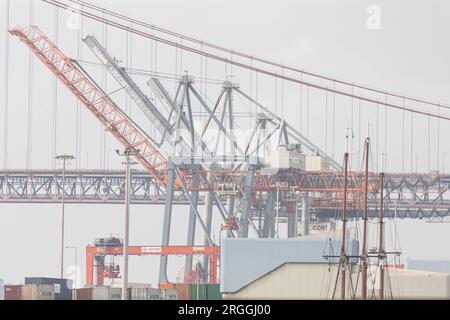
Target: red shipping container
{"points": [[13, 292], [83, 294]]}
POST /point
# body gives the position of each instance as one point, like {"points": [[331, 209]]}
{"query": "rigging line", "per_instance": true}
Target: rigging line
{"points": [[247, 56], [228, 61]]}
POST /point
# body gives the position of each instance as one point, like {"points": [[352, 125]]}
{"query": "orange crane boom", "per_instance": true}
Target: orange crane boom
{"points": [[114, 120]]}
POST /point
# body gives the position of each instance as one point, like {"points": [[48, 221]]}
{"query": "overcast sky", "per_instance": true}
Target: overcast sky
{"points": [[407, 54]]}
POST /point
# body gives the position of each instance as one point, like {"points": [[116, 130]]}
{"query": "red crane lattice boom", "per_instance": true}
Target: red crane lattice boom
{"points": [[115, 121]]}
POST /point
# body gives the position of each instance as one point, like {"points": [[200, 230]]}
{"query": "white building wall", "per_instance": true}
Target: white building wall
{"points": [[317, 281]]}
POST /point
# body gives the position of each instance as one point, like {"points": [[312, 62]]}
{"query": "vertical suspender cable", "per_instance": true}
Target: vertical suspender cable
{"points": [[30, 95], [105, 86], [326, 121], [181, 57], [251, 93], [307, 112], [359, 128], [412, 142], [385, 128], [282, 95], [429, 145], [334, 122], [438, 138], [152, 68], [377, 148], [78, 160], [403, 138], [55, 92], [276, 96], [352, 121], [301, 105], [6, 89]]}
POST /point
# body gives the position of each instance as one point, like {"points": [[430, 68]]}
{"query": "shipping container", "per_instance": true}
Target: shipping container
{"points": [[82, 294], [106, 293], [154, 294], [2, 289], [138, 294], [62, 287], [166, 286], [13, 292], [38, 292], [169, 294], [184, 291], [205, 292]]}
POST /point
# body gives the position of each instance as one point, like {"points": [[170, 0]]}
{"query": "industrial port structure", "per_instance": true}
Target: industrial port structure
{"points": [[276, 175]]}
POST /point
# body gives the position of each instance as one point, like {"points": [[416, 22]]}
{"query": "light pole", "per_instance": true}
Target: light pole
{"points": [[128, 153], [64, 159], [76, 265]]}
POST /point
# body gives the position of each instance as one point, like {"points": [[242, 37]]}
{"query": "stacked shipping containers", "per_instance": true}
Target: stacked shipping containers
{"points": [[205, 292], [144, 294], [13, 292], [106, 293], [37, 292], [62, 287], [82, 294]]}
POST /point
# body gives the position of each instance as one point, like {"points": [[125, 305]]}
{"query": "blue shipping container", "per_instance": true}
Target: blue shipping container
{"points": [[63, 287]]}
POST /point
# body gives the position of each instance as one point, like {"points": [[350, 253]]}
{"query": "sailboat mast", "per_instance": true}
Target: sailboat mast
{"points": [[381, 239], [364, 240], [343, 259]]}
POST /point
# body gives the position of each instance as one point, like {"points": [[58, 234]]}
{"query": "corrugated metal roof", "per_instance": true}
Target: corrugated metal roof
{"points": [[428, 265], [244, 260]]}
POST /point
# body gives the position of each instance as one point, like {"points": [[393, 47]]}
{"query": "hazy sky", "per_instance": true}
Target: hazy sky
{"points": [[408, 54]]}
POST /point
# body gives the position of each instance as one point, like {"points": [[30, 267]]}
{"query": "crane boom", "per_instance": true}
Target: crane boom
{"points": [[67, 71], [134, 92]]}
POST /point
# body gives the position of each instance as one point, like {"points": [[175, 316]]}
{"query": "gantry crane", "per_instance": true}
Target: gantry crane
{"points": [[188, 178], [96, 253]]}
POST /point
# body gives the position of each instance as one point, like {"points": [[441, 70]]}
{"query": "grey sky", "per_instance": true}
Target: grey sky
{"points": [[409, 54]]}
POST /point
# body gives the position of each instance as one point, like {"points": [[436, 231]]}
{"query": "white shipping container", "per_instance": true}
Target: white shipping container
{"points": [[316, 163], [139, 293], [285, 159], [38, 292], [106, 293]]}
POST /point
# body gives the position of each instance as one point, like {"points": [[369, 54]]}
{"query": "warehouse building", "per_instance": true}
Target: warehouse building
{"points": [[296, 269]]}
